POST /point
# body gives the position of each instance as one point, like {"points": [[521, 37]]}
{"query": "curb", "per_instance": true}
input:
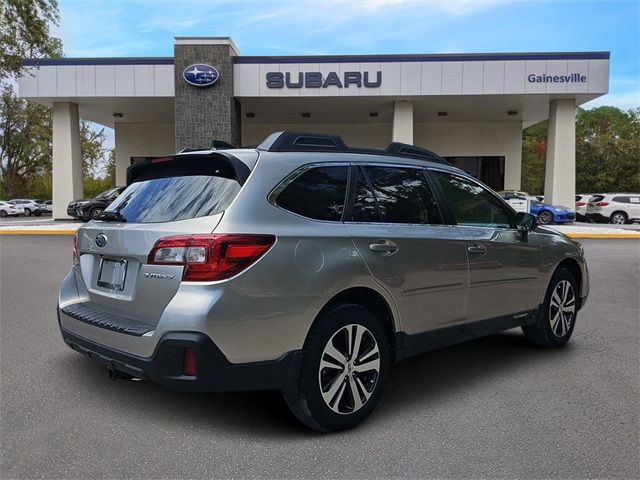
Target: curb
{"points": [[632, 236]]}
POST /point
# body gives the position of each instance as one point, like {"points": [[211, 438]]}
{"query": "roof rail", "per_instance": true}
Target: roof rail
{"points": [[317, 142]]}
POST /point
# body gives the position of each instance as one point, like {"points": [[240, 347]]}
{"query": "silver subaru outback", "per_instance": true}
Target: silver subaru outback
{"points": [[310, 267]]}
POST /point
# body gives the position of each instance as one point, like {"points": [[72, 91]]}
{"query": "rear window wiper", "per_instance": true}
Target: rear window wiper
{"points": [[111, 217]]}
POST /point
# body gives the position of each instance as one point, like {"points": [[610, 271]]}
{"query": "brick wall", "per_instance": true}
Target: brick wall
{"points": [[209, 113]]}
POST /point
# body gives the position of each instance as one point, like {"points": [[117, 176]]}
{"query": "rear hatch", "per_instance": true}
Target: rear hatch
{"points": [[595, 204], [178, 195]]}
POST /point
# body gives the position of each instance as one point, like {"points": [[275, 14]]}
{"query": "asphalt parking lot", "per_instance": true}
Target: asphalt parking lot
{"points": [[495, 407]]}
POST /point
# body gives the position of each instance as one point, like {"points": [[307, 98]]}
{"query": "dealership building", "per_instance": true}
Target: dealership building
{"points": [[469, 108]]}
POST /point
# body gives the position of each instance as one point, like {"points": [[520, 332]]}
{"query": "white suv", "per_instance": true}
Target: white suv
{"points": [[30, 206], [618, 208]]}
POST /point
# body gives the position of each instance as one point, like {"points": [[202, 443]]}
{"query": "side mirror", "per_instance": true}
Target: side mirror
{"points": [[526, 223]]}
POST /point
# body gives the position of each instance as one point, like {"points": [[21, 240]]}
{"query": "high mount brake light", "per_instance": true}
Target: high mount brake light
{"points": [[210, 257]]}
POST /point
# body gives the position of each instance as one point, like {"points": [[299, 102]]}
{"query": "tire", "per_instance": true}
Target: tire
{"points": [[544, 332], [27, 212], [3, 214], [545, 218], [37, 213], [95, 212], [619, 218], [341, 410]]}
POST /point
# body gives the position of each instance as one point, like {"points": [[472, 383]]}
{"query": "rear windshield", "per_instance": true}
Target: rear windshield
{"points": [[596, 198], [175, 198]]}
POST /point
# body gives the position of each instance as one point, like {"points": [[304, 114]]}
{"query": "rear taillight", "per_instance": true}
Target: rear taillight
{"points": [[76, 256], [602, 204], [210, 257], [580, 204]]}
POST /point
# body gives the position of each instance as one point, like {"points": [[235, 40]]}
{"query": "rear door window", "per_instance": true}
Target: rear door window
{"points": [[621, 199], [175, 198], [400, 195], [319, 193]]}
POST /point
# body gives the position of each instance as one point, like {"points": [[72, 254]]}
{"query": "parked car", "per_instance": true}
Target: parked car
{"points": [[49, 204], [30, 206], [89, 208], [9, 209], [581, 206], [517, 202], [517, 193], [548, 214], [306, 266], [617, 208]]}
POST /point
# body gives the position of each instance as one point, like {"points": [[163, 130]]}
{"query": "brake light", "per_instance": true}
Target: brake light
{"points": [[210, 257], [76, 255], [602, 204], [580, 204]]}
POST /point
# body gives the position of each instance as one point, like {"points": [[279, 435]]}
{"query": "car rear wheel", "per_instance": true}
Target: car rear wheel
{"points": [[619, 218], [344, 368], [27, 212], [545, 218], [554, 324]]}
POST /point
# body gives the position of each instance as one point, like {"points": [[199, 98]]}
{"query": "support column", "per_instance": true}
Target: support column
{"points": [[513, 162], [560, 175], [403, 122], [67, 158]]}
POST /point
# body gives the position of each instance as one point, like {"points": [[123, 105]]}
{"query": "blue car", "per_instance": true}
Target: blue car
{"points": [[548, 214]]}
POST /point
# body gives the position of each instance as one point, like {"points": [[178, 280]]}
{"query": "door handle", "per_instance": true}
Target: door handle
{"points": [[477, 248], [385, 247]]}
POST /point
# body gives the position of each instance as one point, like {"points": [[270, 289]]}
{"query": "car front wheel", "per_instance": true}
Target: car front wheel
{"points": [[554, 323], [3, 214], [344, 368], [95, 213]]}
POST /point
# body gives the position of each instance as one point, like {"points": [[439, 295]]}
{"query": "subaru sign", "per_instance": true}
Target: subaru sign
{"points": [[200, 75]]}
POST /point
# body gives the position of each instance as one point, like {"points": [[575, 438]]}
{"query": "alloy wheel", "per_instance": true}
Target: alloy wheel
{"points": [[96, 212], [349, 369], [618, 219], [562, 308], [545, 218]]}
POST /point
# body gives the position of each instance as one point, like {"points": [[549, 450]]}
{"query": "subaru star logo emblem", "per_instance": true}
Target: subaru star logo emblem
{"points": [[200, 75], [101, 240]]}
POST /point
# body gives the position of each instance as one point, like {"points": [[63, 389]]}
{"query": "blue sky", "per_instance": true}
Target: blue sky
{"points": [[98, 28]]}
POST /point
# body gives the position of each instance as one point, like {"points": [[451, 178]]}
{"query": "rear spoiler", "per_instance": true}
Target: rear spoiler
{"points": [[222, 164]]}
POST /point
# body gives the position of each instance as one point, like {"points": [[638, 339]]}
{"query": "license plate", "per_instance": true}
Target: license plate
{"points": [[112, 274]]}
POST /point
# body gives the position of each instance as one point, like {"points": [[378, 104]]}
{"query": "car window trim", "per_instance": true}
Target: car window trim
{"points": [[501, 201]]}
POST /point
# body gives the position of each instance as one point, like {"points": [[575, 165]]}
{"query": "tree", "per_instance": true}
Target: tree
{"points": [[26, 147], [607, 151], [25, 33], [25, 142]]}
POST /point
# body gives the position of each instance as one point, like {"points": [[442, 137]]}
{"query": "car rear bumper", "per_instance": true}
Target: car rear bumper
{"points": [[597, 217], [214, 372]]}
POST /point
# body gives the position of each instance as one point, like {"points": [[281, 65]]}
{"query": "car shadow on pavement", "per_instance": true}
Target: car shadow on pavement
{"points": [[265, 415]]}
